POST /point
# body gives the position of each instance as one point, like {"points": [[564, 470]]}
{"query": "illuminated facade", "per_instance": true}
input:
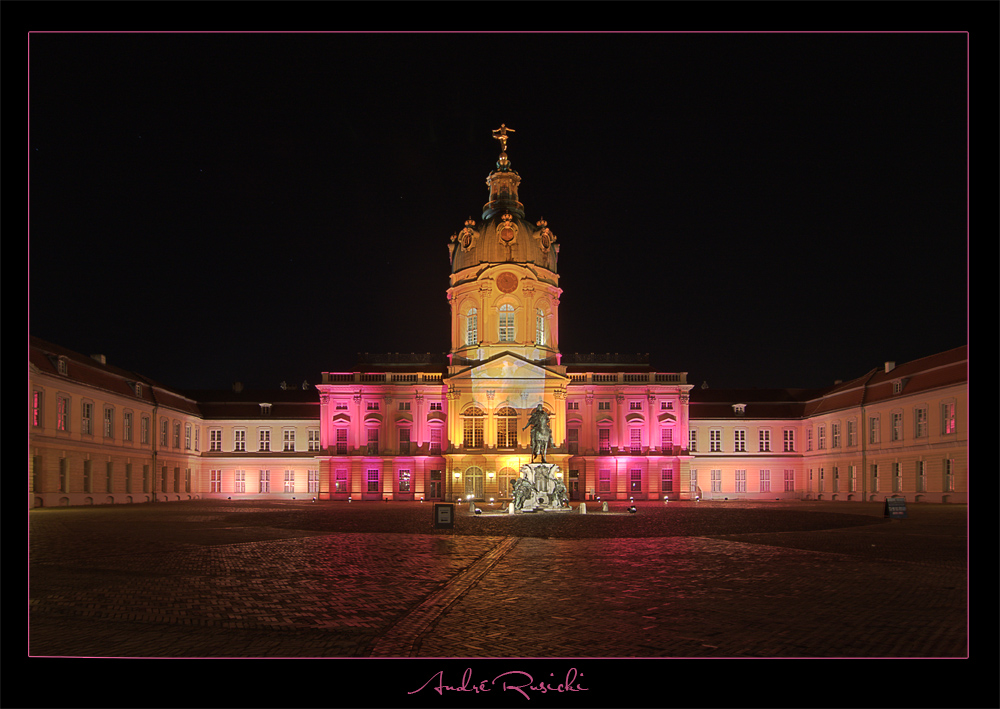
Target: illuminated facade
{"points": [[414, 428]]}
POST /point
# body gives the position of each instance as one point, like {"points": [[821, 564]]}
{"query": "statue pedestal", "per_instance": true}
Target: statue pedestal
{"points": [[540, 489]]}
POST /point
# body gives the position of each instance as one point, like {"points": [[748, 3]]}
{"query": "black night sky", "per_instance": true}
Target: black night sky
{"points": [[757, 209]]}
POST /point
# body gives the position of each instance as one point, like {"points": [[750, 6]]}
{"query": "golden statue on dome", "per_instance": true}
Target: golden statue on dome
{"points": [[501, 135]]}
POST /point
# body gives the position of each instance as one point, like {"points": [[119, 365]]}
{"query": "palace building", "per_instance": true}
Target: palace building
{"points": [[418, 427]]}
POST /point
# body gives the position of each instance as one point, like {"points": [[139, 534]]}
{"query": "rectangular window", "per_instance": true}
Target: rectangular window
{"points": [[36, 408], [264, 439], [740, 441], [635, 406], [765, 480], [715, 440], [635, 480], [197, 438], [288, 440], [110, 476], [635, 441], [187, 436], [667, 479], [62, 413], [948, 418], [506, 323], [109, 422], [716, 481], [539, 327], [239, 441], [667, 439], [164, 433], [873, 429], [852, 478], [265, 481], [921, 477], [404, 406], [187, 480], [177, 479], [341, 441], [313, 440], [836, 479], [789, 481], [604, 440], [313, 479], [949, 475], [764, 440], [289, 481], [664, 405], [573, 441], [215, 481], [741, 481], [340, 481], [821, 479], [177, 434], [573, 406], [373, 480], [435, 406], [789, 440], [164, 478], [920, 422], [404, 481], [215, 439], [435, 442], [144, 430], [372, 437], [88, 480], [897, 477], [694, 480], [852, 433], [127, 426], [821, 438], [371, 406], [692, 441], [240, 484], [604, 406], [874, 470], [404, 441], [896, 426], [835, 435], [809, 439], [604, 481]]}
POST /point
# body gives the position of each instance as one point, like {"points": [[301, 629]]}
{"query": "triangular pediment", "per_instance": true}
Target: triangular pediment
{"points": [[507, 366]]}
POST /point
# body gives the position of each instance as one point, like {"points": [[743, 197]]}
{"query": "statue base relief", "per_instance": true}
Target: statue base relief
{"points": [[540, 489]]}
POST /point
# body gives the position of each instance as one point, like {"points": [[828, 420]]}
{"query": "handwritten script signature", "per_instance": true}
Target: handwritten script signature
{"points": [[516, 680]]}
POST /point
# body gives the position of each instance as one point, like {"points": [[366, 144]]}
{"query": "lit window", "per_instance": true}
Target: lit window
{"points": [[764, 440], [264, 440], [539, 327], [289, 481], [506, 323], [715, 440], [472, 327], [36, 408], [313, 440], [239, 441], [288, 441], [404, 480], [62, 414], [472, 427], [740, 441], [340, 481], [506, 427], [948, 418], [215, 439]]}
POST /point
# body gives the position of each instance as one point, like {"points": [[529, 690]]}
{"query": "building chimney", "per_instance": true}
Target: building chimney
{"points": [[100, 358], [237, 387], [889, 366]]}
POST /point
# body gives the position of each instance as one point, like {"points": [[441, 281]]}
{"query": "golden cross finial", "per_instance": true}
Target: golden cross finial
{"points": [[501, 135]]}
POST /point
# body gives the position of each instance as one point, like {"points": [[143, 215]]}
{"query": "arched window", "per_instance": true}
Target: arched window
{"points": [[504, 478], [474, 482], [506, 323], [472, 327], [539, 327], [472, 427], [506, 427]]}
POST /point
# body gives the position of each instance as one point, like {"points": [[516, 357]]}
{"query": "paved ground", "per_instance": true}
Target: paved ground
{"points": [[299, 579]]}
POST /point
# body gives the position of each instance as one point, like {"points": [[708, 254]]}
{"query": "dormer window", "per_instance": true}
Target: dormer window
{"points": [[897, 385], [62, 366], [739, 409], [265, 409]]}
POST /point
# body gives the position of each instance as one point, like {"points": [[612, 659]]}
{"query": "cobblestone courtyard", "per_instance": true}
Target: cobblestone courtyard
{"points": [[302, 579]]}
